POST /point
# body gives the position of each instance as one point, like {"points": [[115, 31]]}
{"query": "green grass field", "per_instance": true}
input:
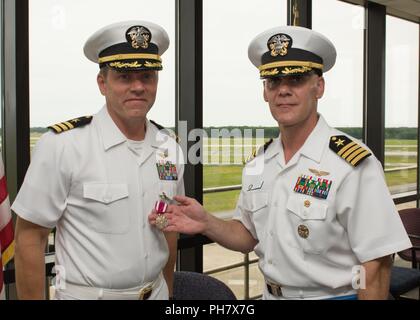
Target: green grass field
{"points": [[221, 201], [218, 176], [402, 177], [401, 142], [216, 151]]}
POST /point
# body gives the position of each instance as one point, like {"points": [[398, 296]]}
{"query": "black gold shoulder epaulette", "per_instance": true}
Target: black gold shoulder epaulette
{"points": [[71, 124], [167, 131], [256, 152], [349, 150]]}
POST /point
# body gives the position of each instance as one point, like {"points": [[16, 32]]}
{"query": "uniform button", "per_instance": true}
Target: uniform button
{"points": [[307, 203], [271, 233], [303, 231], [270, 261], [146, 256]]}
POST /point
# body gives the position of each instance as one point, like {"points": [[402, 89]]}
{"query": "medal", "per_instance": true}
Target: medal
{"points": [[161, 221], [161, 206]]}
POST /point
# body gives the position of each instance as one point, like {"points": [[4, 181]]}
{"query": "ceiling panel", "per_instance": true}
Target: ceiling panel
{"points": [[411, 7]]}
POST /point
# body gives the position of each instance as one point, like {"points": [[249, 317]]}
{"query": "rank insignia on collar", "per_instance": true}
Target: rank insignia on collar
{"points": [[349, 150], [166, 170], [312, 186], [71, 124]]}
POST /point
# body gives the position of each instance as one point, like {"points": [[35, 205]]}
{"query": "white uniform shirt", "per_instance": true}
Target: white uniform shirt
{"points": [[98, 192], [357, 222]]}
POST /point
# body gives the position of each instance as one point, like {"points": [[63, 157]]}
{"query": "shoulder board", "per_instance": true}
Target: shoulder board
{"points": [[168, 132], [71, 124], [258, 151], [349, 150]]}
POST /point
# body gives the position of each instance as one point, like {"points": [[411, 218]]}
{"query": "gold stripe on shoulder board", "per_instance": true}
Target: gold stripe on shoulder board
{"points": [[349, 150], [71, 124]]}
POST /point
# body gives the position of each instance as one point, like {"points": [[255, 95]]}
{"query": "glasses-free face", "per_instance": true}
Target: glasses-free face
{"points": [[293, 99], [129, 95]]}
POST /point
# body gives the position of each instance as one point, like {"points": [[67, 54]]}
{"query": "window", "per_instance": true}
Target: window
{"points": [[63, 81], [232, 98], [401, 107], [343, 24]]}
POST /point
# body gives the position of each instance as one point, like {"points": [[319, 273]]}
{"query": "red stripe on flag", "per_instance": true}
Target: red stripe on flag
{"points": [[3, 189], [6, 236]]}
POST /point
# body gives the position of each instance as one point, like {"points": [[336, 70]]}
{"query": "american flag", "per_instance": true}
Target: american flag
{"points": [[7, 245]]}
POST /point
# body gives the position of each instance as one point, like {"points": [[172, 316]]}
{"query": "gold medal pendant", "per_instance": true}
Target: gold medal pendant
{"points": [[161, 221]]}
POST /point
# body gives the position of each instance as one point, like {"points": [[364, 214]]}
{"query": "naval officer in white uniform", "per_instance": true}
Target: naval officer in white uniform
{"points": [[96, 178], [314, 205]]}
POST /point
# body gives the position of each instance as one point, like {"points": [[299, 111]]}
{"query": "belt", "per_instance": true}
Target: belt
{"points": [[142, 292], [301, 293], [274, 289]]}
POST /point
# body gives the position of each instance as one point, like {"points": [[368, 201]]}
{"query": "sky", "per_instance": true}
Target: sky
{"points": [[63, 82]]}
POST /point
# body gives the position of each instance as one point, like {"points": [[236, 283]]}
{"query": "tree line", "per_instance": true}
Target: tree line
{"points": [[401, 133]]}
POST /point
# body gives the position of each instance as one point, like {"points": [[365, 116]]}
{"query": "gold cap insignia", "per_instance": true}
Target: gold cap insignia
{"points": [[139, 37], [279, 44]]}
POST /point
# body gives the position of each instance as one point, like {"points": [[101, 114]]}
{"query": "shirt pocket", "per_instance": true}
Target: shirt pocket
{"points": [[310, 226], [107, 206], [256, 206]]}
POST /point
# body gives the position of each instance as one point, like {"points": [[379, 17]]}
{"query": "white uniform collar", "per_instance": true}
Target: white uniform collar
{"points": [[313, 147], [317, 141], [274, 149], [112, 136]]}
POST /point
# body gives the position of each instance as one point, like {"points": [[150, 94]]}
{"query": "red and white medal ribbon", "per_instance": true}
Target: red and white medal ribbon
{"points": [[161, 207], [161, 220]]}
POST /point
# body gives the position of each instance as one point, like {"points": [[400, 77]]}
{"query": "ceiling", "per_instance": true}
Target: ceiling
{"points": [[407, 7]]}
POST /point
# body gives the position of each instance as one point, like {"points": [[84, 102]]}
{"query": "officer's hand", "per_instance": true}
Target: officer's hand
{"points": [[188, 217]]}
